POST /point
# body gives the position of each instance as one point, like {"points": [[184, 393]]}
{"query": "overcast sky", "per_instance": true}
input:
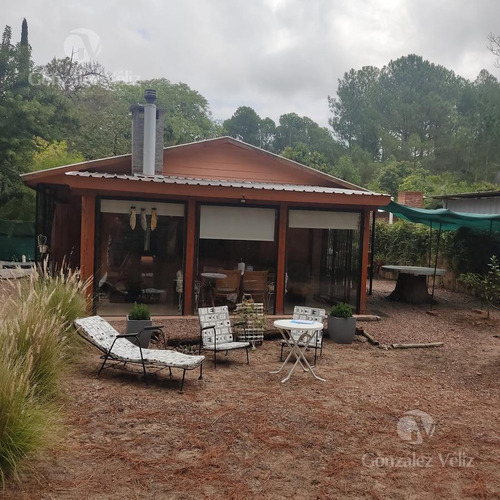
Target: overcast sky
{"points": [[277, 56]]}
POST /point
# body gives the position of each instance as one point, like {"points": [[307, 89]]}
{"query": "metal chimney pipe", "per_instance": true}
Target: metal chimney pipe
{"points": [[148, 165]]}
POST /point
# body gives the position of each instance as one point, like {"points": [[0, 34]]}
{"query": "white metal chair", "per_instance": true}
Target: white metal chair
{"points": [[116, 347], [307, 314], [216, 332]]}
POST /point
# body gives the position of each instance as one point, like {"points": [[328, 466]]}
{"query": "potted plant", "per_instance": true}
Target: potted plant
{"points": [[137, 319], [252, 315], [341, 324]]}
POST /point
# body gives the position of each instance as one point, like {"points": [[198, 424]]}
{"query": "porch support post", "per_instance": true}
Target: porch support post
{"points": [[281, 268], [190, 256], [87, 241], [365, 245]]}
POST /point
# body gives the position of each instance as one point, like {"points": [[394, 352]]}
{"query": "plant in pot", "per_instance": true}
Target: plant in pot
{"points": [[137, 319], [341, 324], [252, 315]]}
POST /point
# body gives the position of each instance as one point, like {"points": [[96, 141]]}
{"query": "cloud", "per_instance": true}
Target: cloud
{"points": [[278, 56]]}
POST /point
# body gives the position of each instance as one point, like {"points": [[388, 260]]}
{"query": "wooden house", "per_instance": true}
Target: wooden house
{"points": [[156, 233]]}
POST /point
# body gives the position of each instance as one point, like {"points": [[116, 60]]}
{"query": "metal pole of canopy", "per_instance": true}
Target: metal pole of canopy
{"points": [[372, 254], [435, 265], [430, 246]]}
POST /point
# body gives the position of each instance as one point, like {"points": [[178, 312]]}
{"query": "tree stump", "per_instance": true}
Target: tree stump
{"points": [[412, 289]]}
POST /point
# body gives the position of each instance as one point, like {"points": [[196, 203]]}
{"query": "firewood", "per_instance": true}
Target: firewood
{"points": [[369, 338], [411, 346]]}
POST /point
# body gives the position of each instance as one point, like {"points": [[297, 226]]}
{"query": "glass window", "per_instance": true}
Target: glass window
{"points": [[323, 256], [140, 257], [234, 238]]}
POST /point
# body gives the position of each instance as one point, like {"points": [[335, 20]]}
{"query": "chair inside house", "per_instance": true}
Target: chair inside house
{"points": [[255, 285], [307, 314], [216, 331], [227, 290], [118, 348]]}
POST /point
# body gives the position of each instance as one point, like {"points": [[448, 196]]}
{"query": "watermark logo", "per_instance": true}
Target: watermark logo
{"points": [[415, 425], [82, 45]]}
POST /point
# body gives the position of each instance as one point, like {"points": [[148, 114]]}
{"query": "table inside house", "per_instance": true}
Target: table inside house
{"points": [[298, 346], [209, 285], [411, 283]]}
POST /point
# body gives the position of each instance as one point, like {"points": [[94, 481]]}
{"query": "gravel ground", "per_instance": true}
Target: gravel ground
{"points": [[402, 424]]}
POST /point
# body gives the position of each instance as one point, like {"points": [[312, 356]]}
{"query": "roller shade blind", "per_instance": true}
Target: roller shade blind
{"points": [[316, 219], [123, 207], [237, 223]]}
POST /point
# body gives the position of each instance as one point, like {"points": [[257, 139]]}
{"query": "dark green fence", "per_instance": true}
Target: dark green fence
{"points": [[17, 239]]}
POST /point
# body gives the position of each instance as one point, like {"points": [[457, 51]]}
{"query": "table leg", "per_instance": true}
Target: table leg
{"points": [[299, 354]]}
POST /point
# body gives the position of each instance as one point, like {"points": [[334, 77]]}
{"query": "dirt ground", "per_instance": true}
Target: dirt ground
{"points": [[241, 434]]}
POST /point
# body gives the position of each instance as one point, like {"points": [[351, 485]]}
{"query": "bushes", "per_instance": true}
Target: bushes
{"points": [[35, 344], [406, 243], [402, 243]]}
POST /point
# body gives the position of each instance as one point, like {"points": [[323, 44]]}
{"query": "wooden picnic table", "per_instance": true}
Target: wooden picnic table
{"points": [[411, 284]]}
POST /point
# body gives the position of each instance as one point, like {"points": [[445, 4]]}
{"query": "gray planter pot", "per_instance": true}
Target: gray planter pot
{"points": [[135, 326], [341, 330]]}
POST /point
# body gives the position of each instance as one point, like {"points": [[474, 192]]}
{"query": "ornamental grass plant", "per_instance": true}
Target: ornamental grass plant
{"points": [[36, 343]]}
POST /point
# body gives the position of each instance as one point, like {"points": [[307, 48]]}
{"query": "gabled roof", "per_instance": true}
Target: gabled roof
{"points": [[121, 165]]}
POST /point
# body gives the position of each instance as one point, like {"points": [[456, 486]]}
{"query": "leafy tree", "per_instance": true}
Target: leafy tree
{"points": [[53, 154], [346, 169], [267, 134], [104, 123], [391, 176], [72, 77], [26, 111], [356, 119], [244, 125], [494, 47], [301, 153]]}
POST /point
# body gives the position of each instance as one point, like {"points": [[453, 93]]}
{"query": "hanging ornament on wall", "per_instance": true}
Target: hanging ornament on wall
{"points": [[132, 216], [154, 219], [144, 221]]}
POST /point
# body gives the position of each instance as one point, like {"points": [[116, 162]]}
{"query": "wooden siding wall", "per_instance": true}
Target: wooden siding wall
{"points": [[231, 162]]}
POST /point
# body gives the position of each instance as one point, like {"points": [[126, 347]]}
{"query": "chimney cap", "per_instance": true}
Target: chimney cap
{"points": [[150, 95]]}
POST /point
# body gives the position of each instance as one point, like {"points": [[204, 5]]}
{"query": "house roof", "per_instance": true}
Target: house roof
{"points": [[458, 196], [122, 164], [223, 183]]}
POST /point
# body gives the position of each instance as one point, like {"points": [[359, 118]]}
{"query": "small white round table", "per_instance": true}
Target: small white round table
{"points": [[308, 331]]}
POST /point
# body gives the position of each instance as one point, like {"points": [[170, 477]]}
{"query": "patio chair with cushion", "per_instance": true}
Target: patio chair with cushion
{"points": [[216, 331], [116, 347], [307, 314]]}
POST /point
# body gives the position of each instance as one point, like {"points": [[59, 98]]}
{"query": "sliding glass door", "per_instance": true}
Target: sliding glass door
{"points": [[323, 255], [140, 256]]}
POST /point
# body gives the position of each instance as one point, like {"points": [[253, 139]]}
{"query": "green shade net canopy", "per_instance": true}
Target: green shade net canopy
{"points": [[446, 219]]}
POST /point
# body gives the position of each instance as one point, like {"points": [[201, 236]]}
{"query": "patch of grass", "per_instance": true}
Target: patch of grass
{"points": [[36, 341], [25, 422]]}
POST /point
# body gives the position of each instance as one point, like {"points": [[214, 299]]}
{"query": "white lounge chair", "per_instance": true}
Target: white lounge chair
{"points": [[116, 347]]}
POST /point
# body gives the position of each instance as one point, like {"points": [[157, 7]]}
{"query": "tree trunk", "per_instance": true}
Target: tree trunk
{"points": [[411, 289]]}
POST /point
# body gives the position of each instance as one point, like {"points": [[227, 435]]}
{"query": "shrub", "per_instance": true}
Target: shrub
{"points": [[341, 310], [487, 285], [139, 312], [25, 423], [36, 335]]}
